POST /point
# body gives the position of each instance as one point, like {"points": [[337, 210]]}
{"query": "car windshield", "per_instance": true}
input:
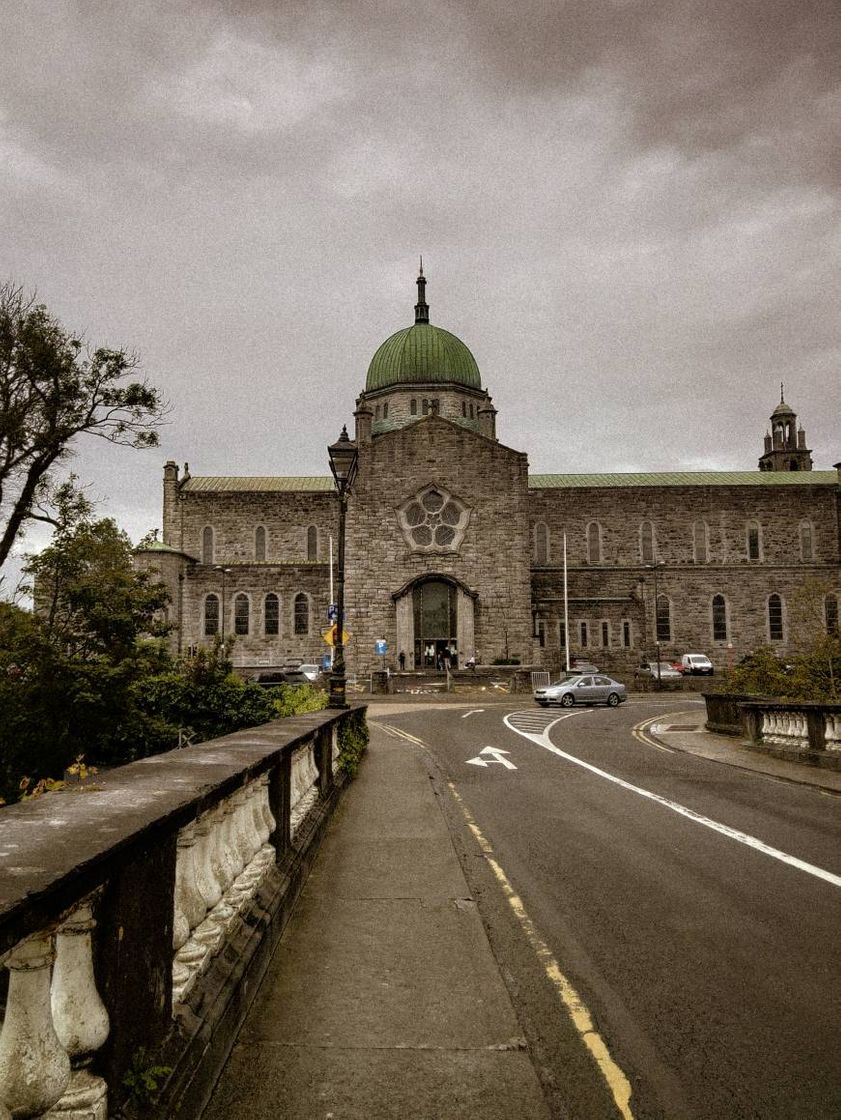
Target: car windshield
{"points": [[568, 678]]}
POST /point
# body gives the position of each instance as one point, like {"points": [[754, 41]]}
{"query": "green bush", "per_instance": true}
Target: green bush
{"points": [[295, 699], [353, 741]]}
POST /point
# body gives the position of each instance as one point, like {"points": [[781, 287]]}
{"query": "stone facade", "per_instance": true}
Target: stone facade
{"points": [[451, 543]]}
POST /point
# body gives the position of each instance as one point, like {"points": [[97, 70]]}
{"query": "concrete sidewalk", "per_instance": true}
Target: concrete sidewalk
{"points": [[383, 998], [685, 731]]}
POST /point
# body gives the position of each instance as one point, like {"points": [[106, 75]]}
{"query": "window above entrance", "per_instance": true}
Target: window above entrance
{"points": [[433, 520]]}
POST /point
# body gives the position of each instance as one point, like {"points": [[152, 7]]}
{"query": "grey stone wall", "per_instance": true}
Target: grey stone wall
{"points": [[620, 587], [492, 560]]}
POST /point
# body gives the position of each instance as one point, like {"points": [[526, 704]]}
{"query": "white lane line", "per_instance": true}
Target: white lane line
{"points": [[473, 712], [725, 830]]}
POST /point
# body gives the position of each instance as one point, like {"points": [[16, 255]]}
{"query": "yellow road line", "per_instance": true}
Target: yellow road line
{"points": [[616, 1080], [399, 733], [638, 733]]}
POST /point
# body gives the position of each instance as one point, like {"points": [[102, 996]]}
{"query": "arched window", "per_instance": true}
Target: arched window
{"points": [[207, 550], [541, 543], [775, 618], [605, 627], [664, 619], [594, 543], [753, 540], [830, 607], [562, 634], [242, 611], [647, 544], [260, 544], [807, 551], [302, 614], [312, 543], [271, 615], [385, 411], [583, 634], [464, 408], [700, 545], [211, 615], [413, 406], [719, 607], [627, 633], [377, 413]]}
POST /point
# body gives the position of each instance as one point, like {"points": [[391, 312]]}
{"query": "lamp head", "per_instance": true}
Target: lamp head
{"points": [[343, 461]]}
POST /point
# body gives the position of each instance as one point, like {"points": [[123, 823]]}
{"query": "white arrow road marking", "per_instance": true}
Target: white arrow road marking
{"points": [[745, 838], [473, 712], [494, 755]]}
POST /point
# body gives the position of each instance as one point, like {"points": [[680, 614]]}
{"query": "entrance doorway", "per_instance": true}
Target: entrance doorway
{"points": [[435, 625]]}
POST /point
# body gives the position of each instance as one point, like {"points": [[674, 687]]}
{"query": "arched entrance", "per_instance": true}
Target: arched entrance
{"points": [[435, 621], [434, 610]]}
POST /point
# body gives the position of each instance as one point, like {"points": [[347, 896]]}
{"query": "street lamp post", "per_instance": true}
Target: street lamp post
{"points": [[224, 572], [657, 564], [343, 463]]}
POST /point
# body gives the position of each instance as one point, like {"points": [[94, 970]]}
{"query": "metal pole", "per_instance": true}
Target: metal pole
{"points": [[331, 590], [656, 627], [337, 677], [566, 606], [224, 573]]}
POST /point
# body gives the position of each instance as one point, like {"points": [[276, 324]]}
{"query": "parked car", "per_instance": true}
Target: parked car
{"points": [[696, 663], [582, 689], [667, 671], [294, 673], [297, 673]]}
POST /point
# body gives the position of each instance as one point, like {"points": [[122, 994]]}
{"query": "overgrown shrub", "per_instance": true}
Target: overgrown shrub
{"points": [[353, 741]]}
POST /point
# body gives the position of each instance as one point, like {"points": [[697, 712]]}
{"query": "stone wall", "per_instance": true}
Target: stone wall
{"points": [[620, 587], [492, 560]]}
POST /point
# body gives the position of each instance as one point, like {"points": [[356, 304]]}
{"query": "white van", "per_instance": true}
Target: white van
{"points": [[692, 663]]}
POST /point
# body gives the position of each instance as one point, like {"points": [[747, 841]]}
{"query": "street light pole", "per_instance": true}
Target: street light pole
{"points": [[343, 463], [654, 567]]}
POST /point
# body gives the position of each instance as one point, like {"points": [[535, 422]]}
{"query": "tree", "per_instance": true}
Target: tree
{"points": [[52, 390], [92, 604]]}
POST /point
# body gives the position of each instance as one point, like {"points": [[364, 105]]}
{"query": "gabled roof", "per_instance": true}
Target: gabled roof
{"points": [[684, 478]]}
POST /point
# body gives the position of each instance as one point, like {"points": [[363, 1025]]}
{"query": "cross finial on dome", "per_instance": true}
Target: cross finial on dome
{"points": [[781, 393], [421, 307]]}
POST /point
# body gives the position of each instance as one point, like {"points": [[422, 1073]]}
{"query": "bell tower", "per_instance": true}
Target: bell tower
{"points": [[785, 442]]}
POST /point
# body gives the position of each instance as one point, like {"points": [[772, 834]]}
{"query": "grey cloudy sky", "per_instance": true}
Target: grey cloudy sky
{"points": [[628, 209]]}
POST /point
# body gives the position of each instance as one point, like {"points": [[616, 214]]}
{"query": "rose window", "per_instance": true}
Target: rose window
{"points": [[434, 521]]}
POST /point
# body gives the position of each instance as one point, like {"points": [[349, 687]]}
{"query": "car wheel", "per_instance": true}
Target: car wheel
{"points": [[567, 700], [613, 700]]}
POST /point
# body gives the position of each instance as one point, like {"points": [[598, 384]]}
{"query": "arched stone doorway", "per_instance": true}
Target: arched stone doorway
{"points": [[435, 613]]}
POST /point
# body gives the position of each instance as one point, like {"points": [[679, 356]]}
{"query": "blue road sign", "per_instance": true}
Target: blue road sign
{"points": [[332, 613], [326, 662], [381, 647]]}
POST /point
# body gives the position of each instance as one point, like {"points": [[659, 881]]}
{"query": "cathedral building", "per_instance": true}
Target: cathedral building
{"points": [[452, 543]]}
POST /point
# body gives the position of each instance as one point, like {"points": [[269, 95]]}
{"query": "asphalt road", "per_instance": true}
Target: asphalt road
{"points": [[694, 907]]}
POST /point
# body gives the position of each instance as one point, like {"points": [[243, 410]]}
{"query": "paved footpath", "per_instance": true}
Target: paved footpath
{"points": [[383, 998]]}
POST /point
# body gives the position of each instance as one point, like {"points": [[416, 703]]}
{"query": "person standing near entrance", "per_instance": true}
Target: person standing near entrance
{"points": [[401, 661]]}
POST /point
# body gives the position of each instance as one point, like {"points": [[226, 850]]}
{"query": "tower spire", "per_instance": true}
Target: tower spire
{"points": [[781, 393], [421, 307]]}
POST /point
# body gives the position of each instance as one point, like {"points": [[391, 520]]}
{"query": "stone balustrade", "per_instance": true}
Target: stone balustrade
{"points": [[137, 916], [802, 730]]}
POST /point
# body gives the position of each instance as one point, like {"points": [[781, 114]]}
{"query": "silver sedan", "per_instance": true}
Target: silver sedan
{"points": [[585, 689]]}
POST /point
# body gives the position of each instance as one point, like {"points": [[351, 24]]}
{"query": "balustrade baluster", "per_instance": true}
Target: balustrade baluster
{"points": [[34, 1066], [190, 910], [80, 1018]]}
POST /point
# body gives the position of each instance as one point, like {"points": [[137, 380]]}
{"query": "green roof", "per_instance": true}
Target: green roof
{"points": [[159, 546], [684, 478], [257, 483], [422, 353]]}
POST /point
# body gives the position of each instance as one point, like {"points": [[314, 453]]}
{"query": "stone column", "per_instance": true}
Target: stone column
{"points": [[406, 628], [465, 626]]}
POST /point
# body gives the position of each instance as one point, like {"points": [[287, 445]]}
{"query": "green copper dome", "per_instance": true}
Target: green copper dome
{"points": [[422, 353]]}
